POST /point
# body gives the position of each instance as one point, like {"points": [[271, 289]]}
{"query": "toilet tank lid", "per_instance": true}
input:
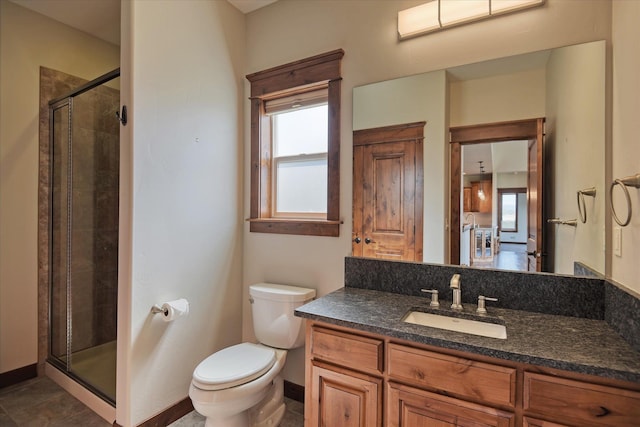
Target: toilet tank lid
{"points": [[275, 292]]}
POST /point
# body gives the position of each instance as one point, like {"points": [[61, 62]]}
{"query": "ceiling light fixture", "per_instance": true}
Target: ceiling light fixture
{"points": [[481, 195], [440, 14]]}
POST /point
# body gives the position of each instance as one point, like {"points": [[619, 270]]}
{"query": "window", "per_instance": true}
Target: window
{"points": [[295, 147], [509, 212], [508, 208], [299, 134]]}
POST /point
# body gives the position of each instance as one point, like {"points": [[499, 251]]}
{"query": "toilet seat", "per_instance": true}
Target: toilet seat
{"points": [[233, 366]]}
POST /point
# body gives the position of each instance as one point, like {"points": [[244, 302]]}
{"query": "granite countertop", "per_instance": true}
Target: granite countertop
{"points": [[575, 344]]}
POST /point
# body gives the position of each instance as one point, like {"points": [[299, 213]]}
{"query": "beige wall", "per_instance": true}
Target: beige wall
{"points": [[625, 269], [575, 140], [498, 98], [181, 185], [27, 41], [366, 30]]}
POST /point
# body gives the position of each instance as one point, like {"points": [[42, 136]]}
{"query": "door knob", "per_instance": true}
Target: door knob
{"points": [[367, 240], [357, 240], [534, 254]]}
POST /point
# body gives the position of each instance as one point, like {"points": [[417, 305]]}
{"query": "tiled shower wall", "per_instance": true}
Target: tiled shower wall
{"points": [[94, 224]]}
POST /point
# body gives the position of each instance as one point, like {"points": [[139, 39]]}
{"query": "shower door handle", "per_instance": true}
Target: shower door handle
{"points": [[122, 117]]}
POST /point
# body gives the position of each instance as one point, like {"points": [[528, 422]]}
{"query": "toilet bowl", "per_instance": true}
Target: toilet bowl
{"points": [[240, 386]]}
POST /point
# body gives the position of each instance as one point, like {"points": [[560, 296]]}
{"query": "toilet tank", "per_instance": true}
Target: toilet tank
{"points": [[272, 308]]}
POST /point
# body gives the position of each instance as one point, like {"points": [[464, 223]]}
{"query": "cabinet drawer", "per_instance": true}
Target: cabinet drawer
{"points": [[350, 350], [467, 378], [533, 422], [580, 402]]}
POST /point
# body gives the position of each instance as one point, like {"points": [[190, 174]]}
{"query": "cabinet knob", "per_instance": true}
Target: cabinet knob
{"points": [[357, 240], [367, 240]]}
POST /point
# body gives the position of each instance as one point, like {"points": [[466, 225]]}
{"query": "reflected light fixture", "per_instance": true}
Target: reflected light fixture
{"points": [[481, 195], [437, 15]]}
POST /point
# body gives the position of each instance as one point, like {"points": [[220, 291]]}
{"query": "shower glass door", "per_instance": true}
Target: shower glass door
{"points": [[84, 234]]}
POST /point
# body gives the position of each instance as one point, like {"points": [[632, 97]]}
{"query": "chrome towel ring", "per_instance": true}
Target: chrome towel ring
{"points": [[629, 181], [582, 208]]}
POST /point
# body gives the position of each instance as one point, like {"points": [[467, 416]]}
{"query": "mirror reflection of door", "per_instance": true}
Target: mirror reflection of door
{"points": [[388, 192], [534, 197], [496, 195]]}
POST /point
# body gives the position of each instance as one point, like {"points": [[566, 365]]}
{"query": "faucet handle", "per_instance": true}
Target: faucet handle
{"points": [[434, 297], [455, 281], [481, 304]]}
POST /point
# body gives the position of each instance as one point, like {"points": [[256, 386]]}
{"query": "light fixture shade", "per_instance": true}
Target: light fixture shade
{"points": [[440, 14], [418, 20], [505, 6], [457, 11]]}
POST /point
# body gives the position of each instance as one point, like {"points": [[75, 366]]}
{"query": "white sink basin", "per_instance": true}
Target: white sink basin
{"points": [[474, 327]]}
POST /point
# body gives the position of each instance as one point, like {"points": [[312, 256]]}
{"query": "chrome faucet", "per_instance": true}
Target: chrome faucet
{"points": [[457, 292]]}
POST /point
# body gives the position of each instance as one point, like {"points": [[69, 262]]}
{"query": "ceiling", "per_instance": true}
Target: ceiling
{"points": [[246, 6], [101, 18]]}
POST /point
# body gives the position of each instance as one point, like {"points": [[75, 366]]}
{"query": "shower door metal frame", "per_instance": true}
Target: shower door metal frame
{"points": [[55, 104]]}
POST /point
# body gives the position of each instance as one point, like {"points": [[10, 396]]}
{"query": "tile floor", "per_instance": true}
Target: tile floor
{"points": [[40, 402]]}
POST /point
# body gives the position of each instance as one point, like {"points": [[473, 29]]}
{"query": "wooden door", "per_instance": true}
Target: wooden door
{"points": [[341, 398], [534, 251], [388, 192], [534, 203]]}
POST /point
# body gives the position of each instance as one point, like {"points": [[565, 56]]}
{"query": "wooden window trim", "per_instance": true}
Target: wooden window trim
{"points": [[323, 69]]}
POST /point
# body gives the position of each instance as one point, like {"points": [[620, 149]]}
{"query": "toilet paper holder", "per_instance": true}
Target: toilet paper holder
{"points": [[171, 310], [156, 309]]}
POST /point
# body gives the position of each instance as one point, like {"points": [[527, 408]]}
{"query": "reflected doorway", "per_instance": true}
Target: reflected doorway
{"points": [[496, 195]]}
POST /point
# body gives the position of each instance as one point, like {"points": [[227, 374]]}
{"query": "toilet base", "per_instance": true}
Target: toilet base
{"points": [[270, 411]]}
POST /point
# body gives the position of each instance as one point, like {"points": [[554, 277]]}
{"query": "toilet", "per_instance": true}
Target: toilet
{"points": [[240, 386]]}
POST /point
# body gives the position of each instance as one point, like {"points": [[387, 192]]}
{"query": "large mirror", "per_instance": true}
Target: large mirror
{"points": [[564, 86]]}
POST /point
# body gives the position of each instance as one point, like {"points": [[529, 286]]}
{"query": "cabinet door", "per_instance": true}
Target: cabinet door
{"points": [[534, 422], [478, 204], [466, 199], [412, 407], [341, 398], [475, 200]]}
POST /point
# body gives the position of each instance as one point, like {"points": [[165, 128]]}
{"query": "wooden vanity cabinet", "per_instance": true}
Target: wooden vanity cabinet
{"points": [[358, 379]]}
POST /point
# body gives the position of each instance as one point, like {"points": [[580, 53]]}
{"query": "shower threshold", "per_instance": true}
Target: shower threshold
{"points": [[97, 404]]}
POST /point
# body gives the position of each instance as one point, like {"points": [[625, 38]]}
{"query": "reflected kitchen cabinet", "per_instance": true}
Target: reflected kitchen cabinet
{"points": [[466, 200], [481, 196]]}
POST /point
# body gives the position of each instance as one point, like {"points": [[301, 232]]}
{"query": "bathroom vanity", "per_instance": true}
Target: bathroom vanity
{"points": [[365, 366]]}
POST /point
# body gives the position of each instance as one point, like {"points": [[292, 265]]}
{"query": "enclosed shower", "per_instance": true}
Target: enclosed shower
{"points": [[84, 151]]}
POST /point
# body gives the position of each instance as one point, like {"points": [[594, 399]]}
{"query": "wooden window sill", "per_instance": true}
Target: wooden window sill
{"points": [[303, 227]]}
